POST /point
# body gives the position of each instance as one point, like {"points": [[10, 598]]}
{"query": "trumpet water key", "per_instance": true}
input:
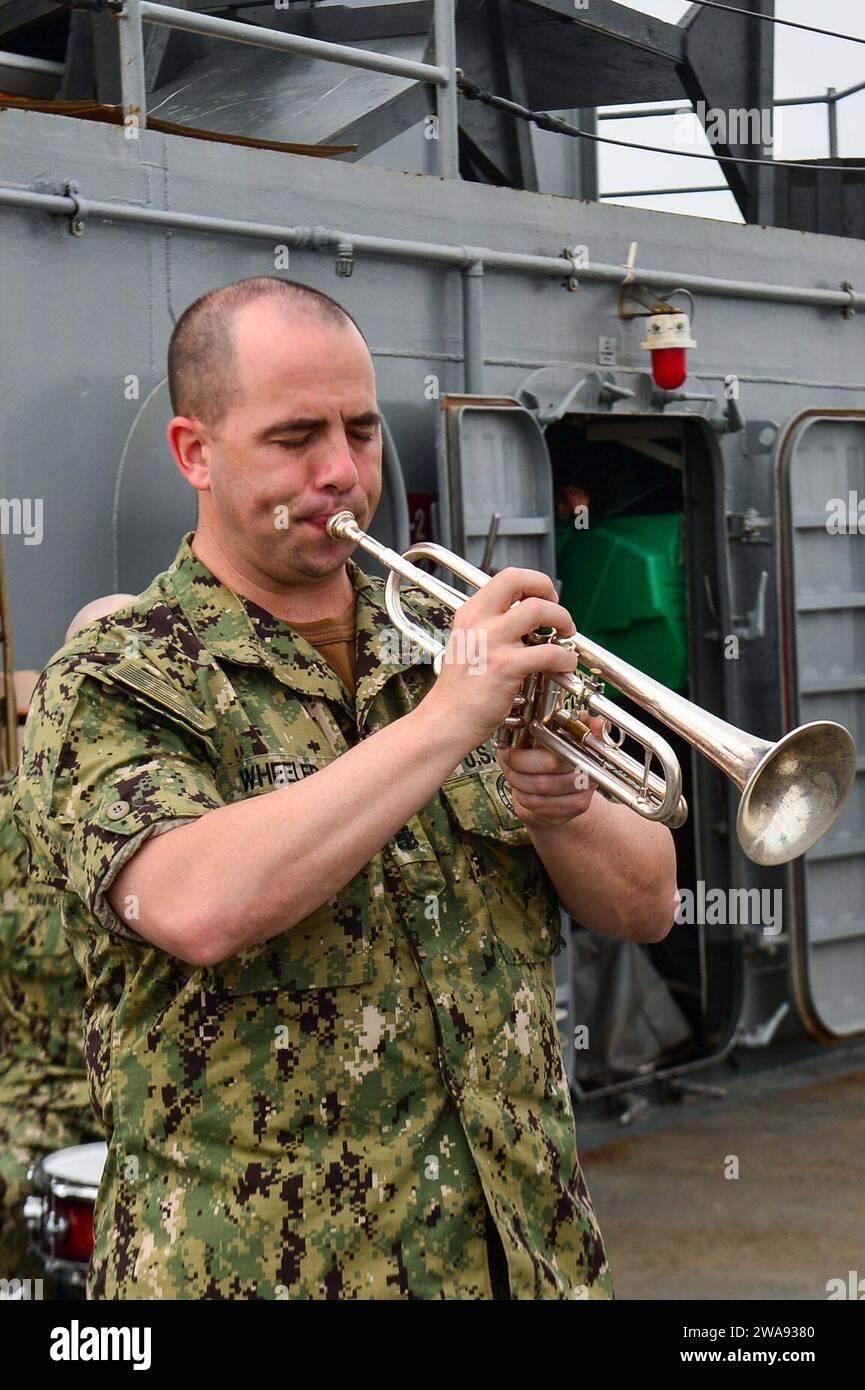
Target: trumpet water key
{"points": [[792, 791]]}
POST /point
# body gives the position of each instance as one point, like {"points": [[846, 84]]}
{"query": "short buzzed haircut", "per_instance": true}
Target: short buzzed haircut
{"points": [[203, 381]]}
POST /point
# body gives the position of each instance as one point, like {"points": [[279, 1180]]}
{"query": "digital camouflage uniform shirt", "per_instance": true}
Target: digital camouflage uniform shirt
{"points": [[333, 1113], [43, 1081]]}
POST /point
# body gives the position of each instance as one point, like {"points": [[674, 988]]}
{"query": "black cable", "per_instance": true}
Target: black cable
{"points": [[773, 19], [545, 121]]}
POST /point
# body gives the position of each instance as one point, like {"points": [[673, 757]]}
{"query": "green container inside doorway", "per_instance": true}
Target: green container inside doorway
{"points": [[624, 586]]}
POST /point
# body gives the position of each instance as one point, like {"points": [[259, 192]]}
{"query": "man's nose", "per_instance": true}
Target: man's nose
{"points": [[336, 468]]}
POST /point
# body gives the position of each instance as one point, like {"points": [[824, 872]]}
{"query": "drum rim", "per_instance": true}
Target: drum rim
{"points": [[71, 1191]]}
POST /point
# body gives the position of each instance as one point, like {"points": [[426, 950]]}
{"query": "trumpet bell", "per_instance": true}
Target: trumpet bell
{"points": [[796, 792]]}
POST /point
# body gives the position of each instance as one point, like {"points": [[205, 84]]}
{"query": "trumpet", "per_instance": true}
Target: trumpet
{"points": [[792, 791]]}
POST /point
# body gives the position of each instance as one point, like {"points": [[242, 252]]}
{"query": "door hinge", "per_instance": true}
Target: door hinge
{"points": [[748, 527]]}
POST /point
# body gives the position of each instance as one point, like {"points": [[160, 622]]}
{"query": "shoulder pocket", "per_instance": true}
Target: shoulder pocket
{"points": [[154, 692]]}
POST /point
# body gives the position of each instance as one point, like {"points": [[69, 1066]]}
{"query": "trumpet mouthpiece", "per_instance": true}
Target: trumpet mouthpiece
{"points": [[337, 526]]}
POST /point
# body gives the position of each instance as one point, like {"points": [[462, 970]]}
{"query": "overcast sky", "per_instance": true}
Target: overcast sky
{"points": [[805, 64]]}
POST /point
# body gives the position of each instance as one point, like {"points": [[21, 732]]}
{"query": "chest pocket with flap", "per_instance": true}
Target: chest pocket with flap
{"points": [[519, 895], [329, 948], [268, 740]]}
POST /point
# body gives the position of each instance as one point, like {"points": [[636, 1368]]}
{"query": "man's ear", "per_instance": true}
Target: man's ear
{"points": [[190, 445]]}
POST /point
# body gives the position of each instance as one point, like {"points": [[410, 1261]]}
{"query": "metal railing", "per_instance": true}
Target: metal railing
{"points": [[441, 75], [830, 100]]}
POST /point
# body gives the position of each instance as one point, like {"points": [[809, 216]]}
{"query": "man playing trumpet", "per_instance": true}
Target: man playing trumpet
{"points": [[316, 911]]}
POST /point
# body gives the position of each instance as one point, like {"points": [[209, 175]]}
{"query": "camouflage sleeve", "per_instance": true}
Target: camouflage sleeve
{"points": [[101, 773]]}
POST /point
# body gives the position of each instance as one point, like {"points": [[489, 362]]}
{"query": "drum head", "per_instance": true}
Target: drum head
{"points": [[80, 1165]]}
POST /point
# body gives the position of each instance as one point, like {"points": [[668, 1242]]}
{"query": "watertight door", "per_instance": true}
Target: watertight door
{"points": [[493, 460], [822, 493]]}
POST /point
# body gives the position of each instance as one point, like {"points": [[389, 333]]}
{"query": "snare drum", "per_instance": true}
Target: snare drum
{"points": [[59, 1213]]}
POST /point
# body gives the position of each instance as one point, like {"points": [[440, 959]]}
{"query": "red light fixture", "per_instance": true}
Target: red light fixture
{"points": [[668, 336]]}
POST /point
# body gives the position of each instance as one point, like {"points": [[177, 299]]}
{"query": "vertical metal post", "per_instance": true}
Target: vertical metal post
{"points": [[761, 178], [446, 97], [132, 83], [832, 107], [473, 328], [587, 154]]}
